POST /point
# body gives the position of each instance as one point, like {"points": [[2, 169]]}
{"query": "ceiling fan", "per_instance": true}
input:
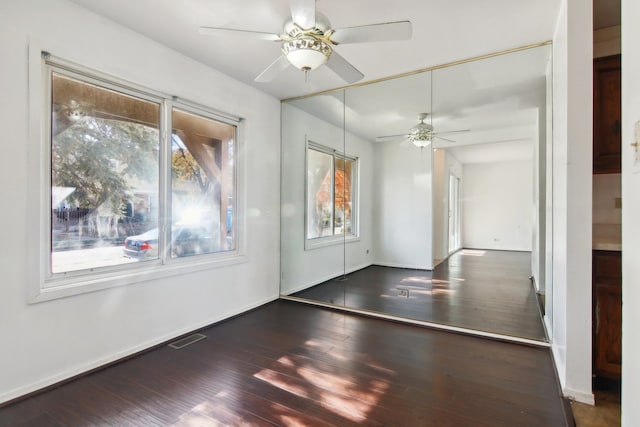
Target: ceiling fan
{"points": [[308, 41], [422, 134]]}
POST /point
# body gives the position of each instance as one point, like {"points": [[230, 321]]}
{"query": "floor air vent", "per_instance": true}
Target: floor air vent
{"points": [[183, 342]]}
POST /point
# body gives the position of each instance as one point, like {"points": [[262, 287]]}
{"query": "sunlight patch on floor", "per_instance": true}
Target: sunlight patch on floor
{"points": [[207, 414], [416, 279], [281, 381], [348, 397]]}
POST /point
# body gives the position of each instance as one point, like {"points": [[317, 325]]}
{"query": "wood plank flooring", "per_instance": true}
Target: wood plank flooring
{"points": [[488, 291], [293, 364]]}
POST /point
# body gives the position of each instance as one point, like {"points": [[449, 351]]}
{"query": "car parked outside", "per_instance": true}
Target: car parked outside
{"points": [[186, 240]]}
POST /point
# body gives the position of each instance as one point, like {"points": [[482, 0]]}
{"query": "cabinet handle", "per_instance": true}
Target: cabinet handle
{"points": [[616, 128]]}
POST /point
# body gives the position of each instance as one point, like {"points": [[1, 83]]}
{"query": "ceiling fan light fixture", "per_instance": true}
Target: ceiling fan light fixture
{"points": [[306, 53], [421, 134]]}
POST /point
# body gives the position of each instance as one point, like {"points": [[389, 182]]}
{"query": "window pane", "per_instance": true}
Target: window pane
{"points": [[202, 185], [343, 195], [319, 194], [104, 176]]}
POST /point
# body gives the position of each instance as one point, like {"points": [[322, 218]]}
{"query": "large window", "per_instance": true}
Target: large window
{"points": [[135, 178], [331, 184]]}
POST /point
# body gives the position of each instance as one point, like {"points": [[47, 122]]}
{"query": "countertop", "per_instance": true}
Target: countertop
{"points": [[607, 237]]}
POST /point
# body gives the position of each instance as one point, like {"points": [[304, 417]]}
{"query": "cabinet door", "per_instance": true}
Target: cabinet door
{"points": [[606, 114], [607, 313], [608, 355]]}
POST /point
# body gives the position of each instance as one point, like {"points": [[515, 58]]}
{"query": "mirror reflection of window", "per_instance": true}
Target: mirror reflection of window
{"points": [[342, 195], [319, 194], [330, 189]]}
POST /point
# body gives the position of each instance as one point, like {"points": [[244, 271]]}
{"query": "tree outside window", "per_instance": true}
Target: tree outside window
{"points": [[107, 196]]}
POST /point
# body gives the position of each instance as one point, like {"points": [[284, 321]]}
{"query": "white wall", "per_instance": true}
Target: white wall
{"points": [[572, 169], [52, 340], [548, 214], [403, 199], [304, 268], [496, 205], [630, 215]]}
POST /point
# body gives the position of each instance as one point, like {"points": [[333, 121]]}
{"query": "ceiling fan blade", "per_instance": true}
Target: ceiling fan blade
{"points": [[273, 70], [453, 131], [444, 139], [400, 30], [343, 68], [379, 138], [303, 13], [254, 34]]}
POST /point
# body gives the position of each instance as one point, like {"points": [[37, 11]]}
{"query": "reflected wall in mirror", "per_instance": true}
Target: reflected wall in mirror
{"points": [[442, 217]]}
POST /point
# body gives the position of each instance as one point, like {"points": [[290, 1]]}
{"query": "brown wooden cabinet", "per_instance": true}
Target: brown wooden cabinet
{"points": [[607, 314], [606, 114]]}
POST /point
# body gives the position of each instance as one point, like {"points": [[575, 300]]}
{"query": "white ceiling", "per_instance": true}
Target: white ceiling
{"points": [[498, 104], [443, 31]]}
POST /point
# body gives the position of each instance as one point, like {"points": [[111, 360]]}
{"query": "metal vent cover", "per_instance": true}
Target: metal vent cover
{"points": [[183, 342]]}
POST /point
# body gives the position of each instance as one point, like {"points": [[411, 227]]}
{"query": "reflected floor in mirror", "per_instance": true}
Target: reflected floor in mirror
{"points": [[483, 290]]}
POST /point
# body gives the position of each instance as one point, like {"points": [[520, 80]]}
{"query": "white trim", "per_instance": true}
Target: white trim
{"points": [[561, 367], [322, 242], [401, 265], [75, 285], [579, 396], [115, 357], [431, 325]]}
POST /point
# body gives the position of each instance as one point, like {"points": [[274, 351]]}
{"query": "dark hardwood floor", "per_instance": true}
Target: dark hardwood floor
{"points": [[293, 364], [488, 291]]}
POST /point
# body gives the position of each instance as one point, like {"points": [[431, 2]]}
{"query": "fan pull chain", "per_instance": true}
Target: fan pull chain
{"points": [[307, 79]]}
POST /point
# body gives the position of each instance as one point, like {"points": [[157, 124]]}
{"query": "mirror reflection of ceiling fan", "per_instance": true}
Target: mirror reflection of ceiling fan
{"points": [[422, 134], [308, 41]]}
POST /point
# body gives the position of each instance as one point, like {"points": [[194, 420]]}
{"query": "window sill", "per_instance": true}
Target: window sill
{"points": [[322, 242], [61, 287]]}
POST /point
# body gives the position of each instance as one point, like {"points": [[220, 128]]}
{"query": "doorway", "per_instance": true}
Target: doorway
{"points": [[454, 214]]}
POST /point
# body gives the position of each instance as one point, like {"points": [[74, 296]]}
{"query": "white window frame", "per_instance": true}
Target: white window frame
{"points": [[335, 239], [44, 285]]}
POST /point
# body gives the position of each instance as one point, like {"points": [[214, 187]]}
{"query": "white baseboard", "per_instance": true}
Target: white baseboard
{"points": [[400, 265], [582, 396], [79, 370], [579, 396], [324, 278]]}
